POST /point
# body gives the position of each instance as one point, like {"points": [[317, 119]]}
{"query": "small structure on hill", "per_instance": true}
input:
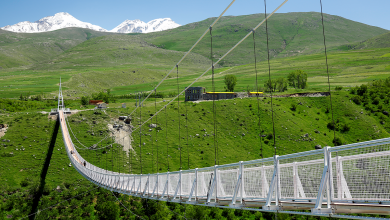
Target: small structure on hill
{"points": [[254, 94], [101, 105], [94, 102], [122, 118], [199, 93]]}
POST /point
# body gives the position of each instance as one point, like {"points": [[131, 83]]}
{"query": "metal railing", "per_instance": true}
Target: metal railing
{"points": [[351, 178]]}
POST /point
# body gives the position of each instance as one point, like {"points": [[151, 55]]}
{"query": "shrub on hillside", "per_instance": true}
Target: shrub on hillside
{"points": [[345, 128], [357, 100], [337, 141], [269, 136], [361, 90], [293, 107], [331, 125]]}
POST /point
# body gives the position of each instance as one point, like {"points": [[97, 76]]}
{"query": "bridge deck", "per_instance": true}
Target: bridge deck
{"points": [[355, 178]]}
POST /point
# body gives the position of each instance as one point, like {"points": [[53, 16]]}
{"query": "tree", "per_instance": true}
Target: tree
{"points": [[270, 85], [297, 79], [84, 100], [281, 84], [230, 82]]}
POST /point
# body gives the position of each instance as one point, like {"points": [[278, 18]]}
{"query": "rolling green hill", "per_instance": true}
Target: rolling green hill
{"points": [[380, 41], [20, 49], [237, 138], [290, 34]]}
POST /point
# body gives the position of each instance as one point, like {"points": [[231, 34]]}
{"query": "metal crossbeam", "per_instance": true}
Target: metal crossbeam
{"points": [[301, 181]]}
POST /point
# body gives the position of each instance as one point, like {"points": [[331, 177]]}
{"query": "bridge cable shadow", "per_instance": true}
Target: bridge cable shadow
{"points": [[45, 168]]}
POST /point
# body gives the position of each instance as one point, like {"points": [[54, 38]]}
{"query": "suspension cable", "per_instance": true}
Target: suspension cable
{"points": [[327, 72], [188, 52], [257, 95], [140, 133], [70, 128], [178, 109], [269, 74], [214, 94], [155, 108], [188, 149], [254, 29], [166, 135]]}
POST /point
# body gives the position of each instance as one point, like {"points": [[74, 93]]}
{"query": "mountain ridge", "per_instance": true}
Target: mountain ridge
{"points": [[65, 20]]}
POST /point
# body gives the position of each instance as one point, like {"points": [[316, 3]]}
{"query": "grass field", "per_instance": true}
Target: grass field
{"points": [[290, 34], [346, 68]]}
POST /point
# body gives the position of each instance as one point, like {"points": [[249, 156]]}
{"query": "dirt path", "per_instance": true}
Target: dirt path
{"points": [[123, 137]]}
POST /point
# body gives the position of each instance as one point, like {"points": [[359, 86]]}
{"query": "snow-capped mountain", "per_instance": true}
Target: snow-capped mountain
{"points": [[64, 20], [138, 26], [51, 23]]}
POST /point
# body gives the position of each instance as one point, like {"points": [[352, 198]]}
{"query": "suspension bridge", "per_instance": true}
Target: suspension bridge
{"points": [[330, 182]]}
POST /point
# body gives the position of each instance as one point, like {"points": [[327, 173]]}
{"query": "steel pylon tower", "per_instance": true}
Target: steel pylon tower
{"points": [[60, 98]]}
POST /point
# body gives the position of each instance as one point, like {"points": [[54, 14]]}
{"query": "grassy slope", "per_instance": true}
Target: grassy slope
{"points": [[234, 118], [20, 49], [290, 34], [346, 68], [380, 41], [97, 64]]}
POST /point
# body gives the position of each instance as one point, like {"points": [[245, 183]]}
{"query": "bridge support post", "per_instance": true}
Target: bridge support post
{"points": [[211, 189], [194, 189], [239, 185], [155, 187], [146, 188], [325, 184], [178, 189], [274, 186]]}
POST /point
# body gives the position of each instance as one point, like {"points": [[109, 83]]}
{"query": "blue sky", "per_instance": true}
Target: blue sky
{"points": [[109, 14]]}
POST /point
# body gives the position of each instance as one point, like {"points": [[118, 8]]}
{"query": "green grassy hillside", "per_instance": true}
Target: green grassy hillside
{"points": [[21, 49], [346, 68], [290, 34], [98, 64], [29, 139], [380, 41]]}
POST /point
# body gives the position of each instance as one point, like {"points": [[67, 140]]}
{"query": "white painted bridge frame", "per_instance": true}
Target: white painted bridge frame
{"points": [[352, 178]]}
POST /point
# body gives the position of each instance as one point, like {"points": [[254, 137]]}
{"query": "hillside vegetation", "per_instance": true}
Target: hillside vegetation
{"points": [[290, 34], [87, 63], [297, 129], [99, 64], [21, 49], [380, 41]]}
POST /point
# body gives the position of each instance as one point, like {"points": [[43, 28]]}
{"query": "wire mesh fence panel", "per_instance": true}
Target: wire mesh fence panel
{"points": [[361, 174], [144, 180], [300, 175], [187, 182], [152, 183], [173, 183], [226, 181], [162, 180], [257, 179], [204, 182]]}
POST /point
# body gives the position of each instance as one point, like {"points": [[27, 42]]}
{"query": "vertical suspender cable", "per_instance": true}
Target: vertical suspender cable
{"points": [[166, 135], [269, 74], [140, 134], [257, 95], [327, 72], [155, 108], [188, 52], [270, 83], [188, 149], [214, 96], [219, 60], [178, 107]]}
